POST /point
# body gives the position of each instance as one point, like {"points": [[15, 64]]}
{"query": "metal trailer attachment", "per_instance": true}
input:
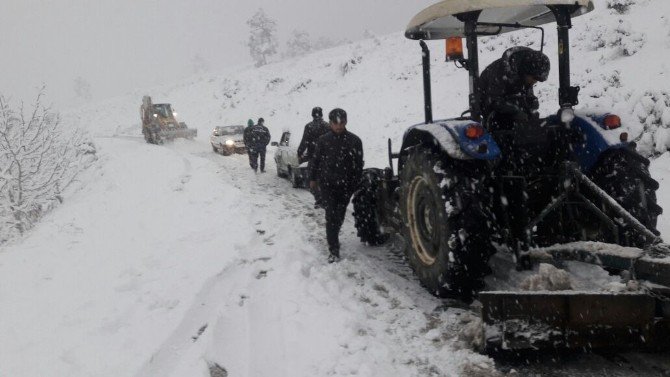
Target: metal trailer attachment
{"points": [[587, 320], [574, 320]]}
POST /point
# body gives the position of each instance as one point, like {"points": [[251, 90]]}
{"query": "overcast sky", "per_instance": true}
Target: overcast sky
{"points": [[122, 45]]}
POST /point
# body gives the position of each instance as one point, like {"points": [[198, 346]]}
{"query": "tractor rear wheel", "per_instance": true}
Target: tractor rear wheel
{"points": [[368, 225], [445, 224], [624, 175]]}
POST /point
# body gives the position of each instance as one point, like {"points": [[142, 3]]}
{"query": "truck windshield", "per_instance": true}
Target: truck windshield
{"points": [[231, 130], [163, 110]]}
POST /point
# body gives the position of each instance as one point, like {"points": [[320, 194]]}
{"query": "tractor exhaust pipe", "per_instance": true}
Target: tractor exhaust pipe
{"points": [[427, 93]]}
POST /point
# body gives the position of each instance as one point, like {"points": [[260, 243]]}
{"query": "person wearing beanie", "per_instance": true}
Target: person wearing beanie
{"points": [[312, 132], [507, 96], [336, 168]]}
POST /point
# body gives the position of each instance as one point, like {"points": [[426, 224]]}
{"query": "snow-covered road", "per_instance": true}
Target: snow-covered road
{"points": [[174, 261], [100, 281], [164, 243]]}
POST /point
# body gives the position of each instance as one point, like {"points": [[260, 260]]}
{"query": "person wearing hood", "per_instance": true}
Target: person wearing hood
{"points": [[336, 168], [506, 87], [313, 131], [256, 138], [250, 123]]}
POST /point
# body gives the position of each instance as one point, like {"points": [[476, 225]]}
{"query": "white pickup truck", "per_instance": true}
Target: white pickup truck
{"points": [[288, 164]]}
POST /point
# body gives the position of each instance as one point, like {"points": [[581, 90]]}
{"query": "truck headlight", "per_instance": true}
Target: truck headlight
{"points": [[230, 143]]}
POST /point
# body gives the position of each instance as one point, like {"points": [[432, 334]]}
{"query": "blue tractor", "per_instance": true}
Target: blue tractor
{"points": [[571, 184]]}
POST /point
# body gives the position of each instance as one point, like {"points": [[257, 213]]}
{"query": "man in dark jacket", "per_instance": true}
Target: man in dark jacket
{"points": [[313, 131], [336, 168], [246, 135], [257, 138], [506, 87]]}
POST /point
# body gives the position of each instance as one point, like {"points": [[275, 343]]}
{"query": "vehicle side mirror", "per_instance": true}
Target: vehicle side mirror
{"points": [[274, 144]]}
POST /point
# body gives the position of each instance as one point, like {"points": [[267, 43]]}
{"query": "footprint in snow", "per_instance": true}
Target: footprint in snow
{"points": [[269, 240], [262, 274], [215, 370], [200, 331]]}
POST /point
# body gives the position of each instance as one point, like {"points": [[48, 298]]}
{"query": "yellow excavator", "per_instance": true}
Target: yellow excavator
{"points": [[159, 123]]}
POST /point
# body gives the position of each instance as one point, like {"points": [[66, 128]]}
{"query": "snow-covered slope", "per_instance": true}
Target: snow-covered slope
{"points": [[619, 60], [174, 261]]}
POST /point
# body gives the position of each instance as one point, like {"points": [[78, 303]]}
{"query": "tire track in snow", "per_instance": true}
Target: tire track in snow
{"points": [[192, 331], [374, 271]]}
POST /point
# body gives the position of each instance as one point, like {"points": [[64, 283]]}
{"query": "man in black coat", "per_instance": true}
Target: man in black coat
{"points": [[257, 138], [336, 168], [506, 87], [313, 131]]}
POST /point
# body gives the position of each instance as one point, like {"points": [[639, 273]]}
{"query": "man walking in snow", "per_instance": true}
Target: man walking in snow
{"points": [[313, 131], [507, 87], [256, 138], [336, 169]]}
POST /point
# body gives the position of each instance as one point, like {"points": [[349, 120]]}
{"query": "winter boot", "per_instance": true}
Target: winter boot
{"points": [[334, 255]]}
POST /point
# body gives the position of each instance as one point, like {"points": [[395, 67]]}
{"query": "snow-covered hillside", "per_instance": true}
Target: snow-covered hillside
{"points": [[619, 60], [175, 261]]}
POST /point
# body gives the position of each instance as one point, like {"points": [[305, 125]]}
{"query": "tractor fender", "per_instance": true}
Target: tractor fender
{"points": [[449, 136], [595, 139]]}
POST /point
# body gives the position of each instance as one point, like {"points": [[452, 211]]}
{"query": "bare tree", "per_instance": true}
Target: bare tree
{"points": [[37, 161], [262, 40]]}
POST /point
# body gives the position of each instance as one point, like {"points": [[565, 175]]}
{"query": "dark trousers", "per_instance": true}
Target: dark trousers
{"points": [[253, 158], [317, 195], [335, 201]]}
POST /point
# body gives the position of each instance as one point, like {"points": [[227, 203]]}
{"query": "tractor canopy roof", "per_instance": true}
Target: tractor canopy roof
{"points": [[439, 21]]}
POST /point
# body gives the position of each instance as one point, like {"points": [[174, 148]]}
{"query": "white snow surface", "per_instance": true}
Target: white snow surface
{"points": [[166, 240], [171, 259]]}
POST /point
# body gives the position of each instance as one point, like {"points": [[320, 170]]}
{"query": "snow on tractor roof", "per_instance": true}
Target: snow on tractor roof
{"points": [[439, 22]]}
